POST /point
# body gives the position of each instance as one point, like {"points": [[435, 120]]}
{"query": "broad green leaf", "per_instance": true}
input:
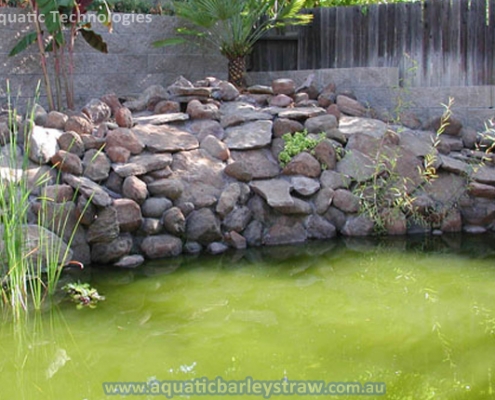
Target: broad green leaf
{"points": [[23, 44], [94, 40]]}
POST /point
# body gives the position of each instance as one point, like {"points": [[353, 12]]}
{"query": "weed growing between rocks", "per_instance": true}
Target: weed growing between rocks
{"points": [[296, 143], [390, 198]]}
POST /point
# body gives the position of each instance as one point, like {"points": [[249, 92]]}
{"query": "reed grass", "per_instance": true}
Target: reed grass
{"points": [[31, 256]]}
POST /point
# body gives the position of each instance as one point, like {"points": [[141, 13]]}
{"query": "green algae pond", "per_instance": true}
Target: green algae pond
{"points": [[409, 318]]}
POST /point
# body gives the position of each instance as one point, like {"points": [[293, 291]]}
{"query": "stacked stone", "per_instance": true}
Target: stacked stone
{"points": [[194, 167]]}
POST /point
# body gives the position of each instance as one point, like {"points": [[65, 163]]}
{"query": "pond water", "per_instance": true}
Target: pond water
{"points": [[416, 315]]}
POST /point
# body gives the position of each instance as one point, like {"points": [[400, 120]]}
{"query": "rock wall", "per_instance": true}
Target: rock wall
{"points": [[194, 167]]}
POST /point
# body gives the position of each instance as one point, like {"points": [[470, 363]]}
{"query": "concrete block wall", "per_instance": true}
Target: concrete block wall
{"points": [[380, 87], [131, 65]]}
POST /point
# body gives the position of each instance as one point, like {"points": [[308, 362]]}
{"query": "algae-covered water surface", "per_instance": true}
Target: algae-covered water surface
{"points": [[408, 319]]}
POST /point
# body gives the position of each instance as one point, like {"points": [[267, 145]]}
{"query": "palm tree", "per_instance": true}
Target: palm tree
{"points": [[233, 26]]}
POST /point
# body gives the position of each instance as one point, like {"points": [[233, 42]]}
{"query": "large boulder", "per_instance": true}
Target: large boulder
{"points": [[161, 246], [203, 226]]}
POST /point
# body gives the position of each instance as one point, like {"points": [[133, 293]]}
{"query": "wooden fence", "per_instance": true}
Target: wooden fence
{"points": [[433, 43]]}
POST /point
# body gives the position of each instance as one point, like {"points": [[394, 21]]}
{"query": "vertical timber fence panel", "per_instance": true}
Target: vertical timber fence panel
{"points": [[451, 42]]}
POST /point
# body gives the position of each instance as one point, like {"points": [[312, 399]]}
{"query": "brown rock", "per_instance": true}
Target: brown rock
{"points": [[236, 240], [452, 222], [92, 142], [109, 252], [481, 190], [334, 110], [123, 117], [358, 226], [281, 100], [215, 147], [303, 164], [350, 106], [281, 126], [79, 124], [58, 193], [174, 222], [105, 227], [161, 246], [171, 188], [167, 106], [395, 222], [284, 86], [325, 153], [129, 215], [67, 162], [203, 226], [97, 111], [71, 142], [197, 110], [112, 101], [323, 123], [125, 138], [96, 165], [346, 201], [239, 170], [118, 154], [453, 128], [287, 230], [56, 120], [135, 189]]}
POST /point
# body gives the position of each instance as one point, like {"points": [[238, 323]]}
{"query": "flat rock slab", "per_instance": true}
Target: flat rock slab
{"points": [[276, 192], [485, 174], [417, 142], [89, 189], [142, 164], [260, 164], [244, 116], [235, 113], [447, 188], [456, 166], [161, 119], [164, 138], [356, 165], [371, 127], [251, 135], [302, 112]]}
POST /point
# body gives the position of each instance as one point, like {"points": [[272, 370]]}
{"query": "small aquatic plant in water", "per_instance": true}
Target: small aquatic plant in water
{"points": [[83, 295]]}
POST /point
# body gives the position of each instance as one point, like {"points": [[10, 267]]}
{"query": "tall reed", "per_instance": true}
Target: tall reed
{"points": [[31, 255]]}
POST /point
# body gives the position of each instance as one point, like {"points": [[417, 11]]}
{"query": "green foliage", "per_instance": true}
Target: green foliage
{"points": [[388, 194], [297, 143], [83, 295], [59, 16], [232, 27], [30, 265]]}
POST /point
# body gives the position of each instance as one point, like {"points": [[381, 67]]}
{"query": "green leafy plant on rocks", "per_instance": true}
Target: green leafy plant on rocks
{"points": [[296, 143]]}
